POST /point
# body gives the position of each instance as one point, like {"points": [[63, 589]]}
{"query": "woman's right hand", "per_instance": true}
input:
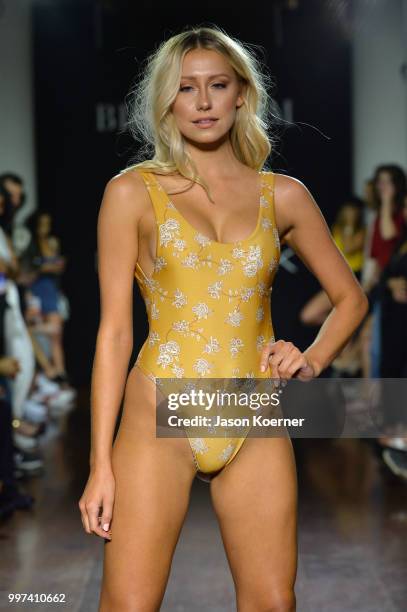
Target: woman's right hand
{"points": [[98, 495], [9, 366]]}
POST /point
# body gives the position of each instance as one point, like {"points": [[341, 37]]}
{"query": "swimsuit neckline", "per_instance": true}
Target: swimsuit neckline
{"points": [[210, 240]]}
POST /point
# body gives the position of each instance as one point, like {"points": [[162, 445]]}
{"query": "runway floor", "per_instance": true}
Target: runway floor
{"points": [[352, 534]]}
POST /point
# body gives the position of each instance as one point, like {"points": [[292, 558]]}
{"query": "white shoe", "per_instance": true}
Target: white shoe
{"points": [[27, 461], [45, 385], [39, 397], [26, 443], [34, 411], [61, 395], [65, 396]]}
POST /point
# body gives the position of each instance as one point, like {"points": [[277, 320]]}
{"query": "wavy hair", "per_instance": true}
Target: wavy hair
{"points": [[399, 180], [151, 121]]}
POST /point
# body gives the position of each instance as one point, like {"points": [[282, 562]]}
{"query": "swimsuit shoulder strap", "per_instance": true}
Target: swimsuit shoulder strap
{"points": [[268, 202], [156, 193]]}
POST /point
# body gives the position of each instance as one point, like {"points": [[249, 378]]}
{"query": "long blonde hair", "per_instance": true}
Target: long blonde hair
{"points": [[152, 123]]}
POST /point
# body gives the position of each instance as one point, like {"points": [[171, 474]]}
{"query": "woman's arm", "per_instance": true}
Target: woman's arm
{"points": [[301, 221], [117, 255], [57, 266], [117, 234], [12, 267]]}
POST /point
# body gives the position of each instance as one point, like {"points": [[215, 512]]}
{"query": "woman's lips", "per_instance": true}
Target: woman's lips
{"points": [[205, 123]]}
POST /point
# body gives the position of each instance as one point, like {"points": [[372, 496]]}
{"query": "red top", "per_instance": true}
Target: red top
{"points": [[382, 249]]}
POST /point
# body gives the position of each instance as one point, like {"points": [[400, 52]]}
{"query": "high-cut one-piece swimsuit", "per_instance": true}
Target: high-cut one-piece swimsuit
{"points": [[208, 305]]}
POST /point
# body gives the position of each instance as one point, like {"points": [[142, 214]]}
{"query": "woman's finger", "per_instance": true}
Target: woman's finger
{"points": [[264, 358], [272, 349], [93, 517], [106, 518], [297, 364], [285, 369], [94, 521], [279, 354]]}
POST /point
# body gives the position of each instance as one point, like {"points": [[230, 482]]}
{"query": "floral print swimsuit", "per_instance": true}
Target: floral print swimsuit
{"points": [[208, 305]]}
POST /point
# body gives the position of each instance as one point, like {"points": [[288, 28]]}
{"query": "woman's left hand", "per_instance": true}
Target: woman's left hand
{"points": [[286, 361]]}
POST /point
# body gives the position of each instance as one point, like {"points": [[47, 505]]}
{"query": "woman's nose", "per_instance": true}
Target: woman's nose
{"points": [[203, 100]]}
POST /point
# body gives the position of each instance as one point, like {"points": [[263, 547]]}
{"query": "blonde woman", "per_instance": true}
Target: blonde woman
{"points": [[199, 225]]}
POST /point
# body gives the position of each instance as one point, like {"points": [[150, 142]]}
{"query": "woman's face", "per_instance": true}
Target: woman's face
{"points": [[350, 214], [384, 185], [209, 88], [15, 190], [44, 225]]}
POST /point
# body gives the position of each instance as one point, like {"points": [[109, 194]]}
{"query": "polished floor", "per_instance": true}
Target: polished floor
{"points": [[352, 533]]}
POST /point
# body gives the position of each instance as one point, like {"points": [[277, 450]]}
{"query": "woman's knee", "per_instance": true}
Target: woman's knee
{"points": [[267, 600], [129, 600]]}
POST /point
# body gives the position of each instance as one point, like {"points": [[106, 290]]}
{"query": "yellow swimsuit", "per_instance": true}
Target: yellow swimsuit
{"points": [[208, 305]]}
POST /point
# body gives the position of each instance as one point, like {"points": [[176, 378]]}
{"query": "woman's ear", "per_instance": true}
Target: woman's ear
{"points": [[242, 94]]}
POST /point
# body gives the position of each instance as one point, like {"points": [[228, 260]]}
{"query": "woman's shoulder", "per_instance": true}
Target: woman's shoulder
{"points": [[128, 180], [290, 191], [127, 184], [287, 182], [293, 201], [125, 194]]}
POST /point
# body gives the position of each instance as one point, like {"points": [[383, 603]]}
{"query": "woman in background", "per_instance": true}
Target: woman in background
{"points": [[348, 232], [389, 187], [44, 255]]}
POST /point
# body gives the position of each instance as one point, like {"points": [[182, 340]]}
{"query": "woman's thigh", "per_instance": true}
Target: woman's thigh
{"points": [[153, 480], [255, 499]]}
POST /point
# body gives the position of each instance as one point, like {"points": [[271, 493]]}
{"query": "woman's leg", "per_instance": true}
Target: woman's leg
{"points": [[255, 500], [41, 357], [18, 344], [153, 481], [57, 349]]}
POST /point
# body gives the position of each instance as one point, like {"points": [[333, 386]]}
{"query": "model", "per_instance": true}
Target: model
{"points": [[200, 225]]}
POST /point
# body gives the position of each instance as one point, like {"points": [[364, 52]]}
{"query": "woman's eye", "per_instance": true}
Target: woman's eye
{"points": [[217, 85]]}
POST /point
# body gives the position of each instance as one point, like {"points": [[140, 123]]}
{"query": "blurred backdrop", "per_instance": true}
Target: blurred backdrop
{"points": [[339, 76], [67, 65]]}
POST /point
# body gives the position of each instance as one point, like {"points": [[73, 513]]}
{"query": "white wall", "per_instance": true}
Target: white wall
{"points": [[379, 89], [16, 95]]}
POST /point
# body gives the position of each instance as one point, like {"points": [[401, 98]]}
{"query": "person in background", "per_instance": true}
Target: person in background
{"points": [[45, 257], [14, 186], [11, 498], [389, 183], [33, 398], [348, 232], [369, 218], [17, 341], [391, 290]]}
